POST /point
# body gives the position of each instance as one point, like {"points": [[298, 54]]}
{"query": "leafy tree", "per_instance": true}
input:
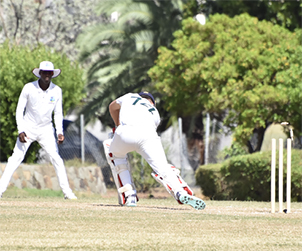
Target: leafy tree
{"points": [[286, 13], [52, 23], [122, 51], [16, 64], [239, 69]]}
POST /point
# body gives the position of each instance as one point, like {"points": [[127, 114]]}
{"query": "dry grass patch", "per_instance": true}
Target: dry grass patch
{"points": [[155, 224]]}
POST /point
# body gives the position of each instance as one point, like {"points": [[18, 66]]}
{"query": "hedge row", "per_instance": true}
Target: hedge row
{"points": [[248, 177]]}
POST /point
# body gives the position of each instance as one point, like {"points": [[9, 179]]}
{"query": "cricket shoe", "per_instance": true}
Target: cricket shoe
{"points": [[131, 201], [70, 197], [191, 200]]}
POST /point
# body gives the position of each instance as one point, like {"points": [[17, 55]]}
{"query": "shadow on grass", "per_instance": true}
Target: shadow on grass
{"points": [[149, 207]]}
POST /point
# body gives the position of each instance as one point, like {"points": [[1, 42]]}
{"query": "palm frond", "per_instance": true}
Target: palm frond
{"points": [[144, 40], [99, 37], [136, 13], [121, 53], [110, 6]]}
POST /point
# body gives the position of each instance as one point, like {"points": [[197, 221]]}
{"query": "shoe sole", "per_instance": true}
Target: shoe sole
{"points": [[66, 198], [132, 201], [193, 201], [131, 205]]}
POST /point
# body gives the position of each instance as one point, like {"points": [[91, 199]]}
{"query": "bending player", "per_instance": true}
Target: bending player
{"points": [[136, 119]]}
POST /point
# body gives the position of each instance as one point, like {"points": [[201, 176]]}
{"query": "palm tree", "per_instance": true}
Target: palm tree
{"points": [[120, 52]]}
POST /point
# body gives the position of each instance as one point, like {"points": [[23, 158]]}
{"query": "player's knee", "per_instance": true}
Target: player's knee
{"points": [[168, 171], [16, 158]]}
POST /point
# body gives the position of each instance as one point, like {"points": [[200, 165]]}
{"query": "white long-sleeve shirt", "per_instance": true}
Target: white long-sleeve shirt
{"points": [[137, 111], [39, 106]]}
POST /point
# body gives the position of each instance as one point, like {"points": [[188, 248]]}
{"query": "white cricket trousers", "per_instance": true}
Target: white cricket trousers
{"points": [[45, 137], [148, 144]]}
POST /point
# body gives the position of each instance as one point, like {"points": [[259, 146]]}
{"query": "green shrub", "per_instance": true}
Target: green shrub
{"points": [[16, 64], [248, 177], [236, 149], [210, 180]]}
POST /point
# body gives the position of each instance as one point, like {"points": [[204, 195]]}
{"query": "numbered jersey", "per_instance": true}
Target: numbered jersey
{"points": [[137, 111]]}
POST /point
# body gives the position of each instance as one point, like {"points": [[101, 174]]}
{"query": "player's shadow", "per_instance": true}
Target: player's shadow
{"points": [[138, 207]]}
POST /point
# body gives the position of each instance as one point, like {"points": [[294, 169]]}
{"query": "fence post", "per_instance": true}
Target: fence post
{"points": [[82, 139], [180, 146], [207, 139]]}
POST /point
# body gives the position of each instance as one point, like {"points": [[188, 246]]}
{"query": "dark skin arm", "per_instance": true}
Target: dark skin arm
{"points": [[114, 109], [22, 137], [60, 139]]}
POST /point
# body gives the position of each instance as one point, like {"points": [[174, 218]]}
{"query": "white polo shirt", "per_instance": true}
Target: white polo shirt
{"points": [[137, 111], [35, 107]]}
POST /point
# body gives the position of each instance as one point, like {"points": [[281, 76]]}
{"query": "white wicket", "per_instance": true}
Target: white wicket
{"points": [[280, 177]]}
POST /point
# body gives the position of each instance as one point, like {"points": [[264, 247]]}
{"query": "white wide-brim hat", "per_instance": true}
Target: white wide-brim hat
{"points": [[46, 66]]}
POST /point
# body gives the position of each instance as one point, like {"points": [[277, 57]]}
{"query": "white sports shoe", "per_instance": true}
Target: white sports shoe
{"points": [[70, 197], [191, 200], [131, 201]]}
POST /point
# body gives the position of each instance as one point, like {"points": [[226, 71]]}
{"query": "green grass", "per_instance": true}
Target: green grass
{"points": [[15, 192], [37, 221]]}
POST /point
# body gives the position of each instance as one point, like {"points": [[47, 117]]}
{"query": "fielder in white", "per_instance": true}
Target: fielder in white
{"points": [[37, 102], [136, 119]]}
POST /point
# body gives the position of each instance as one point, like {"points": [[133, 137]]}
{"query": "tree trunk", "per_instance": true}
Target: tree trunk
{"points": [[254, 145]]}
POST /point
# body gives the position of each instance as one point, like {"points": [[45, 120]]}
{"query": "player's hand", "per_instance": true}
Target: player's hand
{"points": [[60, 138], [22, 137]]}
